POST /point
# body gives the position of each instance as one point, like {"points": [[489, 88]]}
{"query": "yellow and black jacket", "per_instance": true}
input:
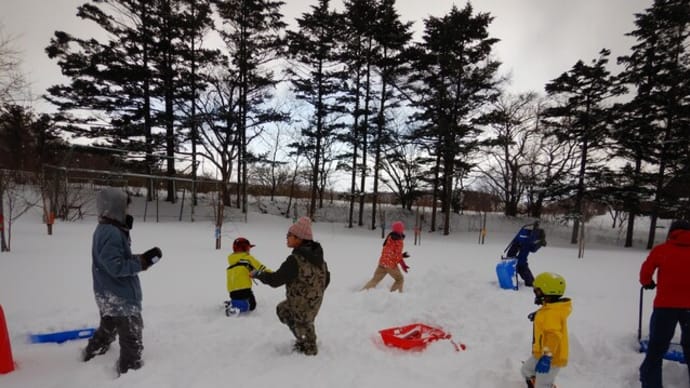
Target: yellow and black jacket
{"points": [[239, 266]]}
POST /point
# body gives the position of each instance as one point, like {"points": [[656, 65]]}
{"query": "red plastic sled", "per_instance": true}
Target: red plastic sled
{"points": [[412, 337]]}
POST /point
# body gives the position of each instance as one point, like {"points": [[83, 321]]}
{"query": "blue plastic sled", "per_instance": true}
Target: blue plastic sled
{"points": [[506, 272], [62, 336], [674, 352]]}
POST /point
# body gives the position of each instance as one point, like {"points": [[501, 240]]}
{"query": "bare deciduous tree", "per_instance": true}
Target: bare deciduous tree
{"points": [[512, 125], [12, 81], [15, 201]]}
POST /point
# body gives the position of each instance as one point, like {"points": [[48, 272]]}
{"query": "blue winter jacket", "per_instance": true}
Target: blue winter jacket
{"points": [[115, 269], [526, 239]]}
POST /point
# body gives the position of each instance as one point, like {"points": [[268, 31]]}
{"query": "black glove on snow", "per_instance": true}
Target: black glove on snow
{"points": [[405, 255], [650, 286], [150, 257], [531, 315]]}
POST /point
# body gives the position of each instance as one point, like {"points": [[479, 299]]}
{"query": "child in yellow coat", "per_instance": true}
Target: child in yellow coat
{"points": [[240, 263], [550, 331]]}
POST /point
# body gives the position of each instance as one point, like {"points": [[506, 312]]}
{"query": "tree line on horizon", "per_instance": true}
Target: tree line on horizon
{"points": [[228, 83]]}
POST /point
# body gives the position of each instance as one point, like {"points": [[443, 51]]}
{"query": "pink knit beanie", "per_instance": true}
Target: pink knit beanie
{"points": [[302, 229], [398, 227]]}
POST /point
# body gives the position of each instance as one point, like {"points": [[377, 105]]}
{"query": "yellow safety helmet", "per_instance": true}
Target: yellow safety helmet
{"points": [[550, 283]]}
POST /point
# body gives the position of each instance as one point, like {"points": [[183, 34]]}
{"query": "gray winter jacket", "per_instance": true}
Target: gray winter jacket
{"points": [[115, 269]]}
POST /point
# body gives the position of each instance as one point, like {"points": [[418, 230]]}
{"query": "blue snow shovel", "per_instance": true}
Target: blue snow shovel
{"points": [[674, 352], [62, 336]]}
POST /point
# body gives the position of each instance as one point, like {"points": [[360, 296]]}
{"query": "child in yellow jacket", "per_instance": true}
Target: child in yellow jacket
{"points": [[240, 263], [550, 331]]}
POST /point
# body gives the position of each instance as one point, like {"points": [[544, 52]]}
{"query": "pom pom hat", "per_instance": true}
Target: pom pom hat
{"points": [[398, 227], [302, 229]]}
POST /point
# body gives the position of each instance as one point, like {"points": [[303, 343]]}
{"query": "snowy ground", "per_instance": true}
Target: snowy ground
{"points": [[45, 285]]}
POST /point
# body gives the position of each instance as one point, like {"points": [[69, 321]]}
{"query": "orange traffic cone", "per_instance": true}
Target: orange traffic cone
{"points": [[6, 362]]}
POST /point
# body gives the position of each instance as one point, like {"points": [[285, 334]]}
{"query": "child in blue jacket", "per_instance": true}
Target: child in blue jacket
{"points": [[528, 240]]}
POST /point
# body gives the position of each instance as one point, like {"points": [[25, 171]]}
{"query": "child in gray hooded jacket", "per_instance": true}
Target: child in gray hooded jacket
{"points": [[116, 282]]}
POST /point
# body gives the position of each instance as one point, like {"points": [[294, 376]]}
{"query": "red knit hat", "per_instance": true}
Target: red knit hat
{"points": [[302, 229], [241, 244], [398, 227]]}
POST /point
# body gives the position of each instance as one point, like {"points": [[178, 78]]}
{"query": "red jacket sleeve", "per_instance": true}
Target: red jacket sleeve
{"points": [[648, 268]]}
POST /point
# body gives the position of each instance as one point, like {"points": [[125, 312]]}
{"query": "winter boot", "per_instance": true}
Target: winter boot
{"points": [[123, 367], [310, 350], [298, 347], [87, 353], [236, 306]]}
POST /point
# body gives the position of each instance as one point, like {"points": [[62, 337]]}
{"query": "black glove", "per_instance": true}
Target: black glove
{"points": [[129, 221], [406, 255], [150, 257], [650, 286], [531, 315]]}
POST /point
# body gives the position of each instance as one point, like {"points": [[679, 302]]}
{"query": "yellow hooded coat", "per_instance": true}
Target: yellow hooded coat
{"points": [[551, 331]]}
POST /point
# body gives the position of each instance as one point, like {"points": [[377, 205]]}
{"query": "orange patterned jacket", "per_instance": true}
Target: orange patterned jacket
{"points": [[391, 254]]}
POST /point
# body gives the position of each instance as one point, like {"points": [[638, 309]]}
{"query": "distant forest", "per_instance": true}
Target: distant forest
{"points": [[177, 84]]}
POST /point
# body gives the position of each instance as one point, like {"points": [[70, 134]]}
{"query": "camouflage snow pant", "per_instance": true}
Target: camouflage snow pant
{"points": [[304, 332]]}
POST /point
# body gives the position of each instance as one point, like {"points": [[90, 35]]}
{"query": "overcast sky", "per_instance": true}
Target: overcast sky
{"points": [[540, 39]]}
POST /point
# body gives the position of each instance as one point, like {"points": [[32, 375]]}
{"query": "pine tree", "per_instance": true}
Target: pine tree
{"points": [[392, 38], [195, 21], [583, 116], [455, 76], [658, 70], [357, 25], [251, 32], [125, 78], [315, 76]]}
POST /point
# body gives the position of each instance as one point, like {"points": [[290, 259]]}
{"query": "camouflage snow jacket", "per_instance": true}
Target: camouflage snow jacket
{"points": [[305, 276]]}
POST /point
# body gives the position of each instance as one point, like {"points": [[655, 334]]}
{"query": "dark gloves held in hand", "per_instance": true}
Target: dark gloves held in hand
{"points": [[544, 364], [150, 257], [404, 265], [531, 315], [256, 274], [129, 221], [650, 286], [406, 255]]}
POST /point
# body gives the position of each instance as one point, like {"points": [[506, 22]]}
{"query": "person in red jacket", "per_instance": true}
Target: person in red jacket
{"points": [[671, 262], [391, 255]]}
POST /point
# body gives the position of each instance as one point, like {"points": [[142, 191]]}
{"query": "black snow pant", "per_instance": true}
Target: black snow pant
{"points": [[129, 329], [245, 293], [523, 270], [662, 327]]}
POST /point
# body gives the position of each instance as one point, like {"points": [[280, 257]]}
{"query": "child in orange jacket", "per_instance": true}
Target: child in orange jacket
{"points": [[391, 255]]}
